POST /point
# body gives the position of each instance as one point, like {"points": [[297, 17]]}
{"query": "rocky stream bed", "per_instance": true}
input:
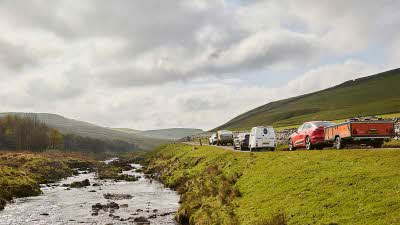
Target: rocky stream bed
{"points": [[83, 199]]}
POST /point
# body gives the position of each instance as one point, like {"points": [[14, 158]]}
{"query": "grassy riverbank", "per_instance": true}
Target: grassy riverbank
{"points": [[22, 172], [300, 187]]}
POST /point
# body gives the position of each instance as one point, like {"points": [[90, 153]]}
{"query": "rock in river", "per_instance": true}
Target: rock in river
{"points": [[117, 196]]}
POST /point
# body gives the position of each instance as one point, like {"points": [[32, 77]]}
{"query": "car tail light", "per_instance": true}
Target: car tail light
{"points": [[317, 132]]}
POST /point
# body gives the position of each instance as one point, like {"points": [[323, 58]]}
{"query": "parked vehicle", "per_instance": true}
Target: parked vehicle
{"points": [[213, 139], [310, 135], [224, 137], [262, 138], [241, 142], [356, 131]]}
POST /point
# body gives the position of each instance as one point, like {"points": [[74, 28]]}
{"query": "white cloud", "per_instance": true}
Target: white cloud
{"points": [[153, 64]]}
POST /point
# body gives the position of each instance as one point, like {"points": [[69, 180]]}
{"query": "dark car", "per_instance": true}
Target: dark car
{"points": [[310, 135], [241, 141]]}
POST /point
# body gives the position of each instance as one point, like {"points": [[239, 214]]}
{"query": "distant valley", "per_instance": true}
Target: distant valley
{"points": [[146, 140]]}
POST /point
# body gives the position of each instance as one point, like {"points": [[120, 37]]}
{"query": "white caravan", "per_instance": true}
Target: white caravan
{"points": [[262, 138]]}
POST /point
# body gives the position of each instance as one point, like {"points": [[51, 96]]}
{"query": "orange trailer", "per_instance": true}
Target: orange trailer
{"points": [[372, 133]]}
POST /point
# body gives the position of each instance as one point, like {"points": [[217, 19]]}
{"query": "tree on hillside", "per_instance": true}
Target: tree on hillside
{"points": [[56, 140], [23, 133]]}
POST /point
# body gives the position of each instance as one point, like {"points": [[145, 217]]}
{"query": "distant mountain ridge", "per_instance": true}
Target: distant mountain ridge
{"points": [[128, 130], [66, 126], [373, 95], [171, 133]]}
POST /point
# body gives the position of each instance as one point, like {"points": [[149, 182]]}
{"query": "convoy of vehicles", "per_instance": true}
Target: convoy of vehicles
{"points": [[313, 135], [310, 135], [262, 138], [241, 141], [361, 132]]}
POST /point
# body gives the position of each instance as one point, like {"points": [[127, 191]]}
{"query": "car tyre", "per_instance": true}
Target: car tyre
{"points": [[377, 144], [291, 145], [338, 143], [309, 145]]}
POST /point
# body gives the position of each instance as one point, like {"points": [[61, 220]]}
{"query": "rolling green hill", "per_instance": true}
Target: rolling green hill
{"points": [[168, 134], [171, 133], [128, 130], [374, 95], [67, 126]]}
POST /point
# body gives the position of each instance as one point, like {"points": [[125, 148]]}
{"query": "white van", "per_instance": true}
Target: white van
{"points": [[262, 138]]}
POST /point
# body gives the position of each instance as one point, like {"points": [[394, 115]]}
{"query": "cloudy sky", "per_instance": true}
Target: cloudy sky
{"points": [[178, 63]]}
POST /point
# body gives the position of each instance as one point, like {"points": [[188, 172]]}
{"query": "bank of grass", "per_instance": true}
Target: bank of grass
{"points": [[22, 172], [392, 144], [299, 187]]}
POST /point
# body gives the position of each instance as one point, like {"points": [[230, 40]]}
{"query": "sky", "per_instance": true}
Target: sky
{"points": [[177, 63]]}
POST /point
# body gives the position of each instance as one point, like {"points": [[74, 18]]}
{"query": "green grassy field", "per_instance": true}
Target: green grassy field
{"points": [[300, 187], [374, 95]]}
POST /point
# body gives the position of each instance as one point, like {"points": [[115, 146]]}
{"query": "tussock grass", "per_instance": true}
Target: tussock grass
{"points": [[302, 187]]}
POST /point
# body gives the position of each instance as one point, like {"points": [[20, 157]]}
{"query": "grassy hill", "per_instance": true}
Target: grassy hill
{"points": [[374, 95], [301, 187], [128, 130], [67, 126], [172, 133], [168, 134]]}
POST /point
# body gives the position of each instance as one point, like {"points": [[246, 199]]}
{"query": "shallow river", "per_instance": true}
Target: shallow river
{"points": [[58, 205]]}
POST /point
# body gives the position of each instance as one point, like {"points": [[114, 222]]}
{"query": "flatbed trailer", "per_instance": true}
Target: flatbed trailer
{"points": [[372, 133]]}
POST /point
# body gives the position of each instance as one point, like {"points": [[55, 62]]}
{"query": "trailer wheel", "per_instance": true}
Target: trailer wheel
{"points": [[339, 143], [291, 145], [377, 144], [309, 146]]}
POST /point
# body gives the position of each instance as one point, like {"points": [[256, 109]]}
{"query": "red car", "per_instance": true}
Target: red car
{"points": [[310, 135]]}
